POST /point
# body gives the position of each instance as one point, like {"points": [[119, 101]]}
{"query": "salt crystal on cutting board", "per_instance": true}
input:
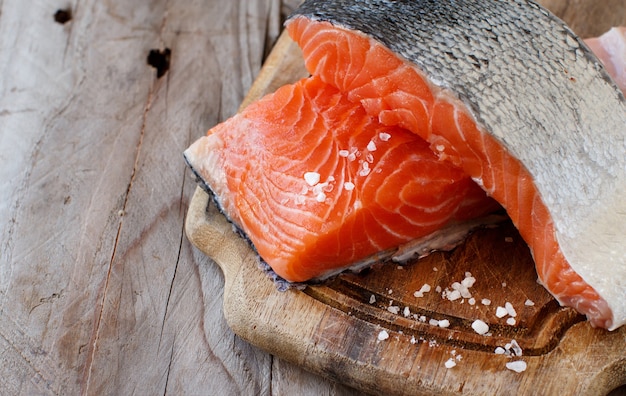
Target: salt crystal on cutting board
{"points": [[480, 327], [518, 366]]}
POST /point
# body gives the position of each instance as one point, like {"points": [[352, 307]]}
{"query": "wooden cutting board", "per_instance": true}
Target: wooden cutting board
{"points": [[337, 329]]}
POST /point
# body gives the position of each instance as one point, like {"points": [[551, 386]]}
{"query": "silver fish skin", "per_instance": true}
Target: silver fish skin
{"points": [[531, 83]]}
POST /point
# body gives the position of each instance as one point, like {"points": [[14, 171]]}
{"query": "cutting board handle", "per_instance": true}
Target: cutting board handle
{"points": [[213, 234]]}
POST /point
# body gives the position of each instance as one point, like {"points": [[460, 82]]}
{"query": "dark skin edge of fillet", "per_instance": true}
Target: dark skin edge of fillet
{"points": [[280, 283]]}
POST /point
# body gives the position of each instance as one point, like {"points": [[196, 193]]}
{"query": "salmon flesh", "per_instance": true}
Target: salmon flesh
{"points": [[504, 92], [318, 186]]}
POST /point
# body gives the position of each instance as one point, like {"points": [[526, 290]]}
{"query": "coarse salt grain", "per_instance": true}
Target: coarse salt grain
{"points": [[318, 188], [424, 289], [509, 309], [365, 169], [529, 303], [485, 301], [444, 323], [471, 301], [499, 351], [433, 322], [384, 136], [450, 363], [511, 321], [321, 197], [371, 146], [407, 312], [480, 327], [383, 335], [468, 281], [518, 366], [312, 178], [372, 299], [394, 309], [453, 295], [514, 348], [344, 153], [501, 312], [348, 186]]}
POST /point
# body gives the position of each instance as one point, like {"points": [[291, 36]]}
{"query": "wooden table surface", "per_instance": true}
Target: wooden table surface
{"points": [[100, 291]]}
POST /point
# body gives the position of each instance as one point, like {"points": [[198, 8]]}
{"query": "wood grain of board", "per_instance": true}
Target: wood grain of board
{"points": [[332, 329]]}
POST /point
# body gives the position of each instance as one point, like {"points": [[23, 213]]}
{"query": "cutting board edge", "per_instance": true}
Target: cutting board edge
{"points": [[265, 318]]}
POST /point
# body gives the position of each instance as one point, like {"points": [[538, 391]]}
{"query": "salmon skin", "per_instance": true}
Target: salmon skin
{"points": [[517, 101]]}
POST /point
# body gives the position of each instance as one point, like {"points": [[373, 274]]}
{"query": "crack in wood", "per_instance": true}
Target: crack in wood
{"points": [[169, 366], [47, 300], [169, 293], [90, 359]]}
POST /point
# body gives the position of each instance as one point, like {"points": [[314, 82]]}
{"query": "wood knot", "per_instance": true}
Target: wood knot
{"points": [[160, 60], [63, 16]]}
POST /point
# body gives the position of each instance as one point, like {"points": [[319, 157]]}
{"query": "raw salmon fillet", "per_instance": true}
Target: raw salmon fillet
{"points": [[317, 185], [467, 78]]}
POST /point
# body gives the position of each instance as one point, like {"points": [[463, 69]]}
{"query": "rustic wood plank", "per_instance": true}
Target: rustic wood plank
{"points": [[61, 206], [99, 290], [155, 315]]}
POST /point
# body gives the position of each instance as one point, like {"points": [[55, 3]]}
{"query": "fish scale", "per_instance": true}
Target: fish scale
{"points": [[534, 86]]}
